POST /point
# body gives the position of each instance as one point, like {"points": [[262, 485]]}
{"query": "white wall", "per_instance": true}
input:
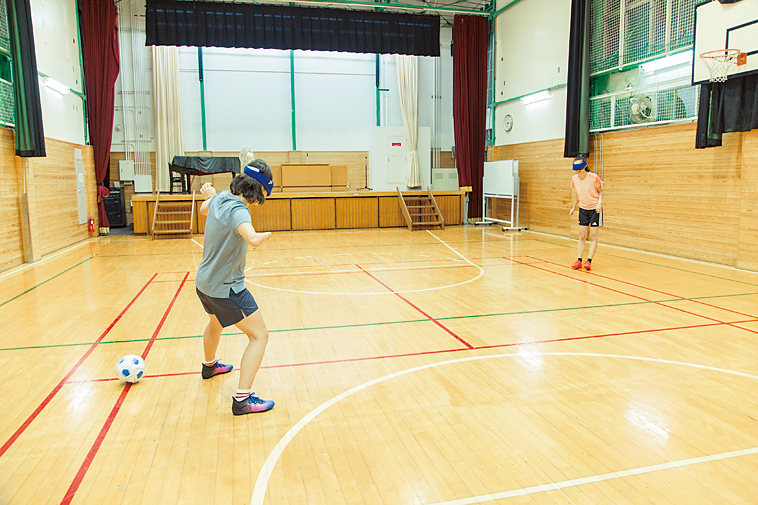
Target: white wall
{"points": [[248, 102], [531, 55], [56, 43]]}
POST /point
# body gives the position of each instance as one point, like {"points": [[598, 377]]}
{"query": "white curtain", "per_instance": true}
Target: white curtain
{"points": [[167, 112], [407, 80]]}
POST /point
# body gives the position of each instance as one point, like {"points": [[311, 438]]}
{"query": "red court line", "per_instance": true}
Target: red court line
{"points": [[442, 351], [57, 388], [617, 291], [655, 290], [109, 421], [95, 447], [459, 339]]}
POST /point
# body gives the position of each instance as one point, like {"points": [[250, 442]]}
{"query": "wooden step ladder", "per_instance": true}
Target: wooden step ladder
{"points": [[172, 217], [420, 211]]}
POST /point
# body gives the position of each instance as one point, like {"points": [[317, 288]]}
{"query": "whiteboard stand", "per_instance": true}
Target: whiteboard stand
{"points": [[501, 182]]}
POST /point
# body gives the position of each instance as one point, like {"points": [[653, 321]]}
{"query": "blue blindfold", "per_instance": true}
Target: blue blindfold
{"points": [[256, 174]]}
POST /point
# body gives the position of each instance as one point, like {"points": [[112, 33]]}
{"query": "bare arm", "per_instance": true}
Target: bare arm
{"points": [[252, 237], [208, 191], [600, 199], [574, 201]]}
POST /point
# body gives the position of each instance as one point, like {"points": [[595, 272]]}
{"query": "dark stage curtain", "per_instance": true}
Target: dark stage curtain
{"points": [[225, 24], [730, 106], [100, 47], [577, 139], [30, 135], [470, 35]]}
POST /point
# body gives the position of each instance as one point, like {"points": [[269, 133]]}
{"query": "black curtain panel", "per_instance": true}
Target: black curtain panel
{"points": [[577, 139], [30, 135], [221, 24], [730, 106]]}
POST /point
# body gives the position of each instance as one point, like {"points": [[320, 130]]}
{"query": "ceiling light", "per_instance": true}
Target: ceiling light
{"points": [[668, 61], [536, 97], [56, 86]]}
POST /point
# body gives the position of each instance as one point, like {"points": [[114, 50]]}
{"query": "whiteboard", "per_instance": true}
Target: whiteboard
{"points": [[499, 177]]}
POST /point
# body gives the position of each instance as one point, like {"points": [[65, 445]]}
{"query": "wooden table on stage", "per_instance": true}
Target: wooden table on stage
{"points": [[316, 211]]}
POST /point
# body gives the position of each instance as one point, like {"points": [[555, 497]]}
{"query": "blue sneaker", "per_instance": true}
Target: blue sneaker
{"points": [[251, 405], [217, 369]]}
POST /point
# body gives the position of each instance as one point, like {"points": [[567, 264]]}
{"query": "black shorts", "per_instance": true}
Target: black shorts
{"points": [[229, 311], [590, 217]]}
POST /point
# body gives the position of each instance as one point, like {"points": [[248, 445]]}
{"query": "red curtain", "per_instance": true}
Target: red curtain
{"points": [[470, 35], [99, 29]]}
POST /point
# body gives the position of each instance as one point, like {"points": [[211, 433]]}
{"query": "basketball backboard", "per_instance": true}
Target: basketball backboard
{"points": [[726, 26]]}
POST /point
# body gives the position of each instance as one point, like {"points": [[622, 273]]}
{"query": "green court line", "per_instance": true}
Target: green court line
{"points": [[362, 325], [651, 263], [43, 282]]}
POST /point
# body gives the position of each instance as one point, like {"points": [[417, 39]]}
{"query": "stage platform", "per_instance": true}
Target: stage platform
{"points": [[315, 211]]}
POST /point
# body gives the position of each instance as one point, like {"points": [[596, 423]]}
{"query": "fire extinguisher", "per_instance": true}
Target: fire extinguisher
{"points": [[91, 225]]}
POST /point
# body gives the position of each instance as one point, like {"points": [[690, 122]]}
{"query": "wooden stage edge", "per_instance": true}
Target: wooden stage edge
{"points": [[315, 211]]}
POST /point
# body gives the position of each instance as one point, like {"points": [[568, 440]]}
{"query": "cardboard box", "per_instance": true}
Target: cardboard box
{"points": [[306, 175], [339, 188], [305, 189], [339, 176]]}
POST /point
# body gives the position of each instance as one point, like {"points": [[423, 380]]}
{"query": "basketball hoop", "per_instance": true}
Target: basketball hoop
{"points": [[718, 62]]}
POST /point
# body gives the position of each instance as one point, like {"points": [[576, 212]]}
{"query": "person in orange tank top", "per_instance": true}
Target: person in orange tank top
{"points": [[588, 193]]}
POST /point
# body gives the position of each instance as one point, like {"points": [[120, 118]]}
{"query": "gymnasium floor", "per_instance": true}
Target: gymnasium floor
{"points": [[459, 366]]}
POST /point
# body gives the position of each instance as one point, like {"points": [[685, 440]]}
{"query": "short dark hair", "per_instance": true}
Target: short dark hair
{"points": [[248, 188]]}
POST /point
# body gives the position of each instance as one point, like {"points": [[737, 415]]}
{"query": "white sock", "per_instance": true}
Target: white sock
{"points": [[210, 363], [242, 394]]}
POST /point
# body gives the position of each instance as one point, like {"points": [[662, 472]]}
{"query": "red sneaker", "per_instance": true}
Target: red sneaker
{"points": [[577, 265], [587, 265]]}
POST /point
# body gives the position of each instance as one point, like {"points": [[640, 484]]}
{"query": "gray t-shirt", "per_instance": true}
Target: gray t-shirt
{"points": [[224, 249]]}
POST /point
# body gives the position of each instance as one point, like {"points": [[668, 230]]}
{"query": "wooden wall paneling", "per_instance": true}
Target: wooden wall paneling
{"points": [[450, 208], [662, 194], [313, 214], [11, 187], [273, 215], [141, 219], [357, 212], [56, 202], [544, 190], [390, 214], [747, 251]]}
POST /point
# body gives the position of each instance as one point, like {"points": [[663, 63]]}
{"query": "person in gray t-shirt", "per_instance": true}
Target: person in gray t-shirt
{"points": [[220, 280]]}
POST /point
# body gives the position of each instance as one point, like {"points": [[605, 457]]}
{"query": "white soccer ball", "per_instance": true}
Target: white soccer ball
{"points": [[130, 369]]}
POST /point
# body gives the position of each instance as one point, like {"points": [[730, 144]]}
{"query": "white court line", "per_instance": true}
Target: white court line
{"points": [[274, 261], [21, 269], [303, 257], [598, 478], [259, 492], [353, 271], [198, 243], [481, 273]]}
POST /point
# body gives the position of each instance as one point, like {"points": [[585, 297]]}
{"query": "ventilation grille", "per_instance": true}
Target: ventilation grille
{"points": [[673, 100]]}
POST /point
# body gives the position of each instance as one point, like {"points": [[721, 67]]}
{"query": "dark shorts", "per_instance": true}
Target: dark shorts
{"points": [[590, 217], [229, 311]]}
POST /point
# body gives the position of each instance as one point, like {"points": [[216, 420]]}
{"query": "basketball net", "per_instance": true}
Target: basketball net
{"points": [[719, 62]]}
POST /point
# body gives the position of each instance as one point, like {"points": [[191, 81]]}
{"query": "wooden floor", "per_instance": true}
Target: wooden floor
{"points": [[459, 366]]}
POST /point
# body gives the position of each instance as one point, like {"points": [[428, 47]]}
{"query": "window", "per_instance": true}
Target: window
{"points": [[7, 107], [625, 35]]}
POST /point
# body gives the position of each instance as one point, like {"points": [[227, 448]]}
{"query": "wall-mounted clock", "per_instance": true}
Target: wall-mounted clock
{"points": [[508, 122]]}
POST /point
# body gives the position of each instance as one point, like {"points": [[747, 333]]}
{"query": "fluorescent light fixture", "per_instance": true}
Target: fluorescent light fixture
{"points": [[536, 97], [56, 86], [668, 61]]}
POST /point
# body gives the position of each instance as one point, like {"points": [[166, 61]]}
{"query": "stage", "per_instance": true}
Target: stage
{"points": [[315, 211]]}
